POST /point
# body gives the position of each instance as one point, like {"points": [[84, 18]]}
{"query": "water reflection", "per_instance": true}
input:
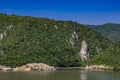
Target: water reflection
{"points": [[83, 75], [60, 75]]}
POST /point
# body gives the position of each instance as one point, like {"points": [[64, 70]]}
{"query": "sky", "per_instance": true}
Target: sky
{"points": [[92, 12]]}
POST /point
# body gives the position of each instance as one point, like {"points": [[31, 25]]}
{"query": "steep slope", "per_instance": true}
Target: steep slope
{"points": [[110, 57], [110, 30], [28, 39]]}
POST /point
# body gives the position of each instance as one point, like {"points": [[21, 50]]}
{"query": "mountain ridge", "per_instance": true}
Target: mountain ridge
{"points": [[29, 39], [110, 30]]}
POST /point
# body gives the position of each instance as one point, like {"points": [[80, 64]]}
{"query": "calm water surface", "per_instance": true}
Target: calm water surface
{"points": [[60, 75]]}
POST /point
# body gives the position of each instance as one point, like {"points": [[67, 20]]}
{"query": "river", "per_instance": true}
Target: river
{"points": [[61, 75]]}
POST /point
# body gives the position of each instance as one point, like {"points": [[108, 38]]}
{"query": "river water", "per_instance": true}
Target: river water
{"points": [[60, 75]]}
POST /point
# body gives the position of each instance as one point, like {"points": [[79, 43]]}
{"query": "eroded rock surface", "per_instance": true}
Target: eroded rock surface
{"points": [[84, 54], [73, 39], [29, 67]]}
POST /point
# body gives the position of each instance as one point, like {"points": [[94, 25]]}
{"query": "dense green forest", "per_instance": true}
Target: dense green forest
{"points": [[110, 57], [26, 39], [110, 30]]}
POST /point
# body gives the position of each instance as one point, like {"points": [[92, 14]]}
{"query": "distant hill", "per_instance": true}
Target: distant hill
{"points": [[110, 30], [25, 39]]}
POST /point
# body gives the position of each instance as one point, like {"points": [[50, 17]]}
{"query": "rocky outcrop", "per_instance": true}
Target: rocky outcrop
{"points": [[9, 27], [29, 67], [98, 67], [5, 68], [4, 33], [1, 36], [73, 38], [84, 54], [55, 26]]}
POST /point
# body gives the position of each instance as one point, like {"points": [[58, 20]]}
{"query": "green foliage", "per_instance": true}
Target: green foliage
{"points": [[110, 30], [110, 57], [44, 40]]}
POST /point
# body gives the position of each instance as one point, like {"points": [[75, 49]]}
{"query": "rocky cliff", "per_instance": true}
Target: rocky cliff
{"points": [[84, 54]]}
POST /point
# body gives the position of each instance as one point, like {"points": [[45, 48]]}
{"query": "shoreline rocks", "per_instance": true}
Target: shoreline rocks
{"points": [[29, 67], [98, 67], [45, 67]]}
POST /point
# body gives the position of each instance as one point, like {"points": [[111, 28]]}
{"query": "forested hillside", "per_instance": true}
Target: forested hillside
{"points": [[110, 30], [110, 57], [26, 39]]}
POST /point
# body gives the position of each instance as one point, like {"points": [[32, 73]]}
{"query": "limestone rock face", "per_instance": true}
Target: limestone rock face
{"points": [[1, 36], [74, 38], [55, 26], [9, 27], [84, 54]]}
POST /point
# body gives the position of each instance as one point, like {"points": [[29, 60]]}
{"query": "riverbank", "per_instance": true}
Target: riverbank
{"points": [[29, 67], [98, 67], [45, 67], [70, 68], [90, 68]]}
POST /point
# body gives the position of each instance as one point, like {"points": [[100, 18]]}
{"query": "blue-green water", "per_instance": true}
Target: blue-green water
{"points": [[60, 75]]}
